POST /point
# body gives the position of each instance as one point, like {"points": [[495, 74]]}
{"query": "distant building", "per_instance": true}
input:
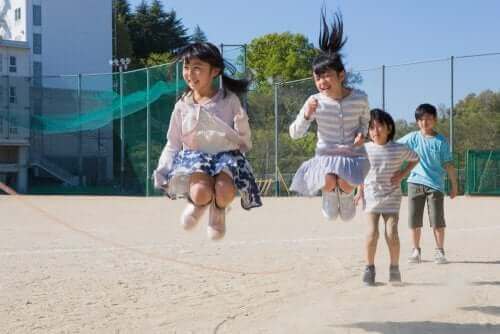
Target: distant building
{"points": [[41, 40]]}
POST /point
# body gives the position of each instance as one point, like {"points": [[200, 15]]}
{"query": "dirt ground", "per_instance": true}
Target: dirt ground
{"points": [[124, 265]]}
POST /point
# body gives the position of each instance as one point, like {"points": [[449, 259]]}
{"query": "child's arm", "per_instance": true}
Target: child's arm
{"points": [[412, 158], [360, 195], [174, 145], [400, 175], [452, 176], [242, 127], [299, 127], [364, 119]]}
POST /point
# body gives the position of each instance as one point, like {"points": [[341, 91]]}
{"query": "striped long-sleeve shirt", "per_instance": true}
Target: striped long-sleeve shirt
{"points": [[338, 122]]}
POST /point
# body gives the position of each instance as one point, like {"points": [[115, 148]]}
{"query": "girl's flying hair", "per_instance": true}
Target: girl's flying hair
{"points": [[331, 41]]}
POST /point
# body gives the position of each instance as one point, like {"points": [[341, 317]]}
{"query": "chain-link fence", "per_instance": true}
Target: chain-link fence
{"points": [[98, 134], [464, 89], [103, 133]]}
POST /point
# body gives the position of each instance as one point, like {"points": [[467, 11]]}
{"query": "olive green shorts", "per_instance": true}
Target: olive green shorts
{"points": [[418, 194]]}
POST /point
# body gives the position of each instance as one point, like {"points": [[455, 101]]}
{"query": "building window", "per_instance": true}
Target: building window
{"points": [[17, 14], [12, 95], [12, 64], [1, 96], [37, 44], [37, 73], [1, 63], [37, 15], [13, 126]]}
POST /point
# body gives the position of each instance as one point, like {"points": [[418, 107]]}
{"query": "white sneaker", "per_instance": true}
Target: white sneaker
{"points": [[439, 257], [330, 206], [415, 256], [192, 215], [216, 222], [347, 206]]}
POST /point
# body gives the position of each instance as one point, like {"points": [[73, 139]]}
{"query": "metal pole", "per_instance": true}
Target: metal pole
{"points": [[148, 135], [245, 98], [80, 136], [452, 72], [383, 87], [276, 138], [176, 80], [122, 133]]}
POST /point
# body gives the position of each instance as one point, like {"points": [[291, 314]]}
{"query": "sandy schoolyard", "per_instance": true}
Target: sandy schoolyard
{"points": [[124, 265]]}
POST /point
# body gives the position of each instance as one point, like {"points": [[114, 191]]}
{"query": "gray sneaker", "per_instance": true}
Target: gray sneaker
{"points": [[394, 275], [347, 206], [369, 276], [439, 257], [330, 205], [415, 256], [216, 228]]}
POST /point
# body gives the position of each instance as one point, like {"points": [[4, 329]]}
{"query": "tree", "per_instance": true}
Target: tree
{"points": [[280, 57], [198, 35], [154, 30], [122, 9], [477, 122], [124, 44], [158, 59]]}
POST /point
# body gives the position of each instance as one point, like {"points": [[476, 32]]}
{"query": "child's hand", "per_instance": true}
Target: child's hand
{"points": [[397, 178], [360, 197], [359, 140], [312, 105]]}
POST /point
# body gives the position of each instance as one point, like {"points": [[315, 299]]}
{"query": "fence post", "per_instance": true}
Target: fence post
{"points": [[276, 138], [383, 87], [80, 137], [122, 134], [148, 134], [452, 79]]}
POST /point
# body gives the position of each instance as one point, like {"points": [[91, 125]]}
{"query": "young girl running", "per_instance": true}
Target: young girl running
{"points": [[341, 115], [208, 132], [381, 191]]}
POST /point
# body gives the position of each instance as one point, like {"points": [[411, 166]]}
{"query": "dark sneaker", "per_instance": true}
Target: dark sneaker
{"points": [[369, 275], [394, 275]]}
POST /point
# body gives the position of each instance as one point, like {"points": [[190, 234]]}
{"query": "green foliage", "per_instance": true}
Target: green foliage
{"points": [[158, 59], [280, 57], [124, 42], [153, 30]]}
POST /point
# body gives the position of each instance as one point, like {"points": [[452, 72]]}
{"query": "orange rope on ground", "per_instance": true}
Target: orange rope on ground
{"points": [[59, 221]]}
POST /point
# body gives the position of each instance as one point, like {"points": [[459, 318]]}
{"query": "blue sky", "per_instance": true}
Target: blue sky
{"points": [[379, 32]]}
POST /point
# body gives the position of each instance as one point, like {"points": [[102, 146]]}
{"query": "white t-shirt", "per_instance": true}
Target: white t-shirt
{"points": [[385, 160]]}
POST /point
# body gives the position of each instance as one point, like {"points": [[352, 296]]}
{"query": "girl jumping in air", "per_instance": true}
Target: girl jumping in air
{"points": [[341, 114], [208, 131]]}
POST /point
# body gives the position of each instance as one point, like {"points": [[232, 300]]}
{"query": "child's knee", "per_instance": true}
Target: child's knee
{"points": [[330, 182], [201, 193], [224, 192], [345, 186], [392, 234]]}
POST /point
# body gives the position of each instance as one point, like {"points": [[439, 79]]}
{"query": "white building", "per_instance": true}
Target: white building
{"points": [[14, 113], [42, 40]]}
